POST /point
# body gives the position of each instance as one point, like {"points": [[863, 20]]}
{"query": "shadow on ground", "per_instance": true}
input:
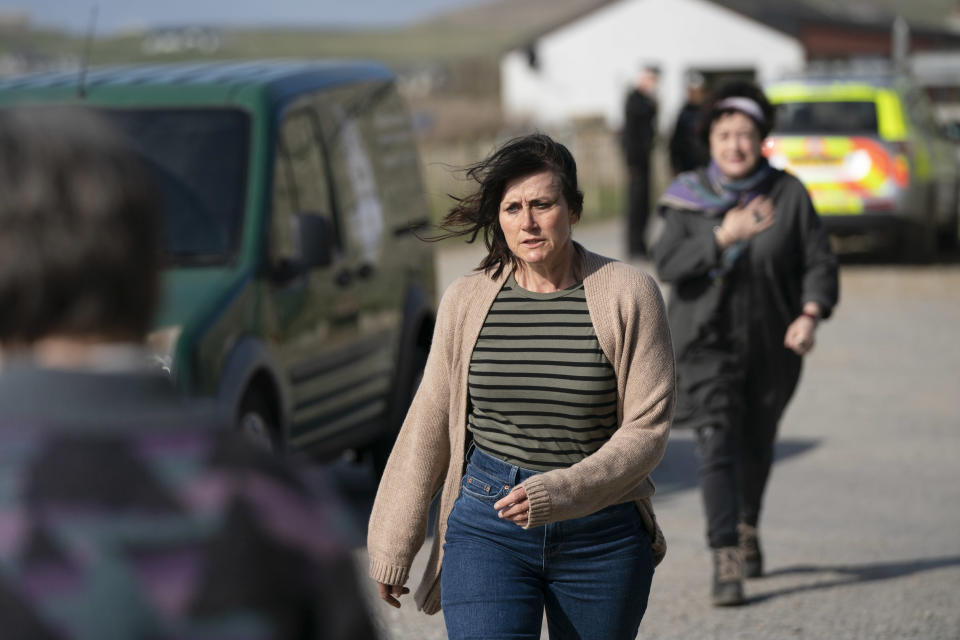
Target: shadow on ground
{"points": [[890, 257], [830, 576], [356, 485], [678, 469]]}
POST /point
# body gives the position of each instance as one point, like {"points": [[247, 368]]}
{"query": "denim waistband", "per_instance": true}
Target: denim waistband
{"points": [[498, 469]]}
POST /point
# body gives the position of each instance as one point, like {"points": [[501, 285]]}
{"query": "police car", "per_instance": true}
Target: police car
{"points": [[871, 156]]}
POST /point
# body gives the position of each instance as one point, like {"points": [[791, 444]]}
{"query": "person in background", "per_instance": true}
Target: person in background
{"points": [[639, 130], [686, 151], [752, 276], [545, 404], [125, 511]]}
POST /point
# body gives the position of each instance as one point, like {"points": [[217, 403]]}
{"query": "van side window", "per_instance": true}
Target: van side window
{"points": [[300, 182], [350, 132]]}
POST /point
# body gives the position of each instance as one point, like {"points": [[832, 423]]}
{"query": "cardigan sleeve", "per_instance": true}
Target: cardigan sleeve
{"points": [[684, 251], [419, 459], [630, 315]]}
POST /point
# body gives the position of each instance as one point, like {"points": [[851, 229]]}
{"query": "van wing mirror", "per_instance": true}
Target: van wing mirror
{"points": [[316, 240]]}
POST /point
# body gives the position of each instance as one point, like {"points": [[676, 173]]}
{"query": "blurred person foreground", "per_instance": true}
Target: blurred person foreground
{"points": [[127, 512]]}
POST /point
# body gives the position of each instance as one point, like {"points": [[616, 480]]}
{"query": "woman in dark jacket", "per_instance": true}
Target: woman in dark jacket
{"points": [[752, 275]]}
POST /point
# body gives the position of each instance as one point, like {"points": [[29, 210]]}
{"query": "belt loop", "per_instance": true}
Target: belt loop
{"points": [[470, 449]]}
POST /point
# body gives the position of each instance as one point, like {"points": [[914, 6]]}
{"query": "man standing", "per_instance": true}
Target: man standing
{"points": [[125, 512], [638, 136], [686, 151]]}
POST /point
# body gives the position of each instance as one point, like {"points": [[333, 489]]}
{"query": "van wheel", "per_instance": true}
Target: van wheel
{"points": [[256, 419], [406, 388]]}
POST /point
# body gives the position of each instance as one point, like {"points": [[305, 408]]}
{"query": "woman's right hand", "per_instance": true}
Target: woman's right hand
{"points": [[745, 221], [390, 592]]}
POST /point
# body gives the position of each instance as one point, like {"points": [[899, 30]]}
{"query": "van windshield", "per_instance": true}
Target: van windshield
{"points": [[845, 118], [198, 158]]}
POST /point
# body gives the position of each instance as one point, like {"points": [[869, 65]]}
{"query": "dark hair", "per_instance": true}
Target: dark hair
{"points": [[709, 113], [78, 230], [480, 211]]}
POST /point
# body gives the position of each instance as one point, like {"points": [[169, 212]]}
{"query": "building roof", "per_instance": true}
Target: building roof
{"points": [[792, 17]]}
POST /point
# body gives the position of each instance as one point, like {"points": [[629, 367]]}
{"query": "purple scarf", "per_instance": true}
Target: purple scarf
{"points": [[714, 197], [717, 194]]}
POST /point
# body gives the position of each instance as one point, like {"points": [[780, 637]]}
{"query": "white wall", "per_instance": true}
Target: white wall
{"points": [[941, 68], [587, 67]]}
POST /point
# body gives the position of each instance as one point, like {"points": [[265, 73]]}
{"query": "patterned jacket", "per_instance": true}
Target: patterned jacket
{"points": [[126, 514]]}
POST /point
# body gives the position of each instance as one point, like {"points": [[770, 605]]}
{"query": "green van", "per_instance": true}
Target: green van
{"points": [[296, 291]]}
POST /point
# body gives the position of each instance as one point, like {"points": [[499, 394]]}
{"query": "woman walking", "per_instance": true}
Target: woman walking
{"points": [[752, 275], [545, 404]]}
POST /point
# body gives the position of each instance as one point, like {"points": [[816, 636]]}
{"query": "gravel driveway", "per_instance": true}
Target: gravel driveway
{"points": [[862, 522]]}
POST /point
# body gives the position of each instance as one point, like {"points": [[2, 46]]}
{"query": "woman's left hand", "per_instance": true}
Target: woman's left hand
{"points": [[514, 507], [799, 337]]}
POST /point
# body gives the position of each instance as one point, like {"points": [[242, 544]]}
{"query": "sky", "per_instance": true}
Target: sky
{"points": [[116, 15]]}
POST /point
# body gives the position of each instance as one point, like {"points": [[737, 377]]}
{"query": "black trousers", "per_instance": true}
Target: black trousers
{"points": [[739, 412], [638, 212]]}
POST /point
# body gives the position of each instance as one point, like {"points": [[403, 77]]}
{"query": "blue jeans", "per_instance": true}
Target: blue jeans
{"points": [[592, 574]]}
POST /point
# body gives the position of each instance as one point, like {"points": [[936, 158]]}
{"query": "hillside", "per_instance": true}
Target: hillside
{"points": [[528, 16], [478, 32], [481, 31]]}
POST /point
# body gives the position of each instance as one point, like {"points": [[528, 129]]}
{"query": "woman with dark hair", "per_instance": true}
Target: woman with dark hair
{"points": [[545, 404], [752, 275]]}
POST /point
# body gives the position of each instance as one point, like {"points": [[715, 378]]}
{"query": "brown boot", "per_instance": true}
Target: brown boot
{"points": [[727, 577], [750, 548]]}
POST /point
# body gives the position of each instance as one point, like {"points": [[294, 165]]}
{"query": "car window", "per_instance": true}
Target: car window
{"points": [[300, 182], [847, 118], [373, 163], [198, 158], [922, 113]]}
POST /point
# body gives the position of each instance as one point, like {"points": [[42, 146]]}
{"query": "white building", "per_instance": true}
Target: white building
{"points": [[586, 67]]}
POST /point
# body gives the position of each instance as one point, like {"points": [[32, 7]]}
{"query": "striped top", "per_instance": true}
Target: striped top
{"points": [[542, 393]]}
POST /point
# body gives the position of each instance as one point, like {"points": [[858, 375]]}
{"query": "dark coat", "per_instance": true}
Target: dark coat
{"points": [[717, 322], [638, 128], [686, 151]]}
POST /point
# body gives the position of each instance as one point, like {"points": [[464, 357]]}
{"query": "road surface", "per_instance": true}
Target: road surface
{"points": [[862, 523]]}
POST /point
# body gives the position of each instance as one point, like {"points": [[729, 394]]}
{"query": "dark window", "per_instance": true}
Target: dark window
{"points": [[300, 182], [847, 118], [198, 158]]}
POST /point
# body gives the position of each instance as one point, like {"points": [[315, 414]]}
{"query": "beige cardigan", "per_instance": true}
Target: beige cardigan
{"points": [[628, 316]]}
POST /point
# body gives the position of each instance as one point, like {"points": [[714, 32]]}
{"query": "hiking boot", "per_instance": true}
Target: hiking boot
{"points": [[727, 577], [750, 550]]}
